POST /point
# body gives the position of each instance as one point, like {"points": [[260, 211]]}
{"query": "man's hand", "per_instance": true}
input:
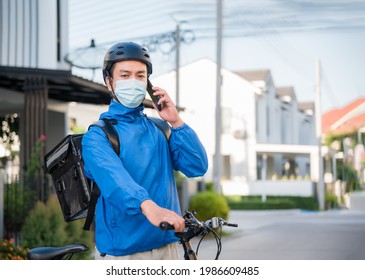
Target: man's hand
{"points": [[168, 111], [156, 215]]}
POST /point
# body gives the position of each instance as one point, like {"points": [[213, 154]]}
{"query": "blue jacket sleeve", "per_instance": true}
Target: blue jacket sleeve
{"points": [[104, 166], [187, 152]]}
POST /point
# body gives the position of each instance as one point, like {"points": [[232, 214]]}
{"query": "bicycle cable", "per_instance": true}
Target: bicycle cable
{"points": [[216, 237]]}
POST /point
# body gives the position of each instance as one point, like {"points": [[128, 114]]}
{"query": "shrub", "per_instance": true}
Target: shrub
{"points": [[209, 204], [9, 251], [331, 200], [209, 186], [272, 202], [17, 202], [45, 226]]}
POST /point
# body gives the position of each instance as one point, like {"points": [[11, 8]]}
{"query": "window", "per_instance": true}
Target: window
{"points": [[267, 121]]}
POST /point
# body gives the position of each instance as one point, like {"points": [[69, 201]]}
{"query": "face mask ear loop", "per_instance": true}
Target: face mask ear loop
{"points": [[112, 93]]}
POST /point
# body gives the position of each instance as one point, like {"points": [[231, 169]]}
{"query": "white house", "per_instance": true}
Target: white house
{"points": [[266, 134]]}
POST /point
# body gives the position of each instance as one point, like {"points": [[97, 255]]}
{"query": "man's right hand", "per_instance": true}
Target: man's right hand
{"points": [[156, 215]]}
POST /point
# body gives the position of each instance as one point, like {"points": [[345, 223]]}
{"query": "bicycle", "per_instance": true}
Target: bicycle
{"points": [[193, 228]]}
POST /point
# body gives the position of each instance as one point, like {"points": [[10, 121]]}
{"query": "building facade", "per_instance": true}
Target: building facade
{"points": [[268, 137], [36, 83]]}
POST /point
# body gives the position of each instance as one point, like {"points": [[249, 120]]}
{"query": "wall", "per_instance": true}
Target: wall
{"points": [[287, 188], [198, 97], [34, 33]]}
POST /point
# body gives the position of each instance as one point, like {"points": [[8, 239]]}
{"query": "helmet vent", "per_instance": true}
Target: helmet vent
{"points": [[120, 47], [120, 53], [144, 49], [146, 55]]}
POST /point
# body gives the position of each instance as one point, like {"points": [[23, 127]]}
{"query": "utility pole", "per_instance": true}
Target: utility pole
{"points": [[320, 183], [177, 61], [218, 114]]}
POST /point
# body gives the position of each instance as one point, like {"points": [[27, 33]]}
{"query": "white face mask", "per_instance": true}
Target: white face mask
{"points": [[130, 92]]}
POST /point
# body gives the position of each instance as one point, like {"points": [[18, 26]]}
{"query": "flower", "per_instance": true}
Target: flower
{"points": [[9, 251]]}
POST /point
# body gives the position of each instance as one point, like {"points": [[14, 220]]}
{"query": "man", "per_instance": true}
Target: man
{"points": [[138, 189]]}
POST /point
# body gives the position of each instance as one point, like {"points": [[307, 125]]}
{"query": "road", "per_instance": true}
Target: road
{"points": [[290, 235]]}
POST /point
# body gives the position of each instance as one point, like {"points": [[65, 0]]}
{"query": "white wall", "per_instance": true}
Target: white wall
{"points": [[290, 188], [28, 31]]}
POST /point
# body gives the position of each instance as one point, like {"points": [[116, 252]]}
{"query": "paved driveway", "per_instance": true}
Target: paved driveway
{"points": [[291, 235]]}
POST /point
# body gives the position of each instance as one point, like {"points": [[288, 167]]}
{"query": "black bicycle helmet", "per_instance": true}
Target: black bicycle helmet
{"points": [[126, 51]]}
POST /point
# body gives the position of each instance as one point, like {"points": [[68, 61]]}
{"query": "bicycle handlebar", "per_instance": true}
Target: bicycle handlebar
{"points": [[192, 222], [166, 226], [194, 228]]}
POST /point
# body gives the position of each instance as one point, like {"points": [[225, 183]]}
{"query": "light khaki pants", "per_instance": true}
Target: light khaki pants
{"points": [[167, 252]]}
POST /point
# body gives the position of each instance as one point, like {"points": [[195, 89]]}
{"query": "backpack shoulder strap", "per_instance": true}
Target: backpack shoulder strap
{"points": [[110, 132], [112, 135], [162, 125], [95, 192]]}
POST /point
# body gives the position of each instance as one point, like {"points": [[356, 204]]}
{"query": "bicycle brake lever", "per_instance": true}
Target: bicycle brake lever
{"points": [[213, 222], [217, 222]]}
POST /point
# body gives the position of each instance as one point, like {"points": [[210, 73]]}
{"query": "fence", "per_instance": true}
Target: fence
{"points": [[18, 200], [1, 205]]}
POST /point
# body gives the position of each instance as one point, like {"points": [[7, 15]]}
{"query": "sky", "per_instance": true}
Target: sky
{"points": [[286, 37]]}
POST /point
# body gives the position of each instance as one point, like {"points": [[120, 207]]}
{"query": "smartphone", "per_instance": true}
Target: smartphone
{"points": [[153, 97]]}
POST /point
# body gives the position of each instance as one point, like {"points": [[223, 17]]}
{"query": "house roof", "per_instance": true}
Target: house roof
{"points": [[62, 85], [346, 119], [286, 94], [306, 107], [254, 75], [303, 106], [285, 91]]}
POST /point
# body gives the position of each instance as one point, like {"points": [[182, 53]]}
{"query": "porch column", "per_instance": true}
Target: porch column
{"points": [[35, 125], [264, 167]]}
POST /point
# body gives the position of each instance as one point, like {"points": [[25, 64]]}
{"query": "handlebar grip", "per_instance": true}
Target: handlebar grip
{"points": [[166, 226], [232, 225]]}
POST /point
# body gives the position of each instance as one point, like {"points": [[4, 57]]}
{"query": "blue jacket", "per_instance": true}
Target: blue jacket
{"points": [[143, 170]]}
